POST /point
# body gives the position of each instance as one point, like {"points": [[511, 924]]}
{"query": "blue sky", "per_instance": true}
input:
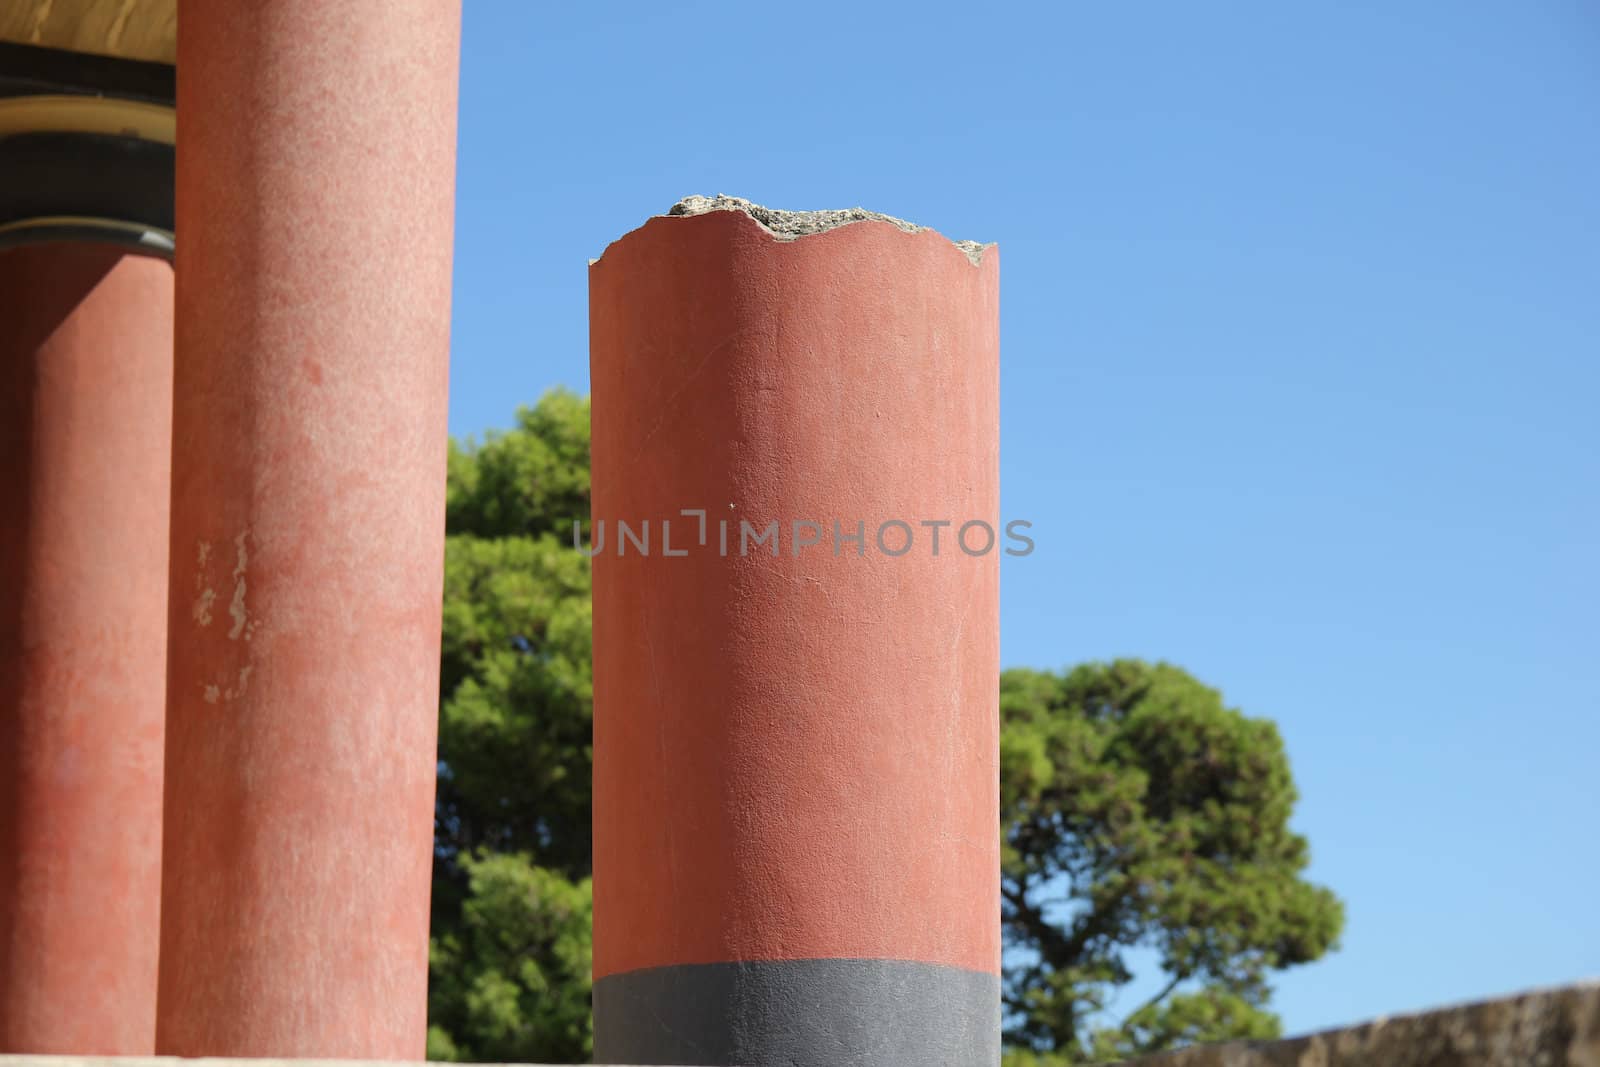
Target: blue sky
{"points": [[1300, 367]]}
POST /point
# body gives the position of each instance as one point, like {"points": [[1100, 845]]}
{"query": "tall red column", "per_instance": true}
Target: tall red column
{"points": [[85, 418], [796, 726], [315, 185]]}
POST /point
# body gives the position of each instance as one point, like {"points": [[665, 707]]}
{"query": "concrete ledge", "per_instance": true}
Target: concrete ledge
{"points": [[1545, 1028], [175, 1061]]}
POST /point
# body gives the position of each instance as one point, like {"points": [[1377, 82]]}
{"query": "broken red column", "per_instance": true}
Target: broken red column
{"points": [[315, 184], [796, 743], [85, 419]]}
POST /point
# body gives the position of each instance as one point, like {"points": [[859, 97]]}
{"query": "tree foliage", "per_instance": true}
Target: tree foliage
{"points": [[510, 955], [1141, 819], [512, 975], [1140, 816]]}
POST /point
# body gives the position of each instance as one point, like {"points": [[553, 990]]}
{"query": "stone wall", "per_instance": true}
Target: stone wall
{"points": [[1548, 1028]]}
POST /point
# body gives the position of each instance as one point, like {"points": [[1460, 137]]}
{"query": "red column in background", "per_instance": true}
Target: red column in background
{"points": [[796, 795], [85, 418], [315, 198]]}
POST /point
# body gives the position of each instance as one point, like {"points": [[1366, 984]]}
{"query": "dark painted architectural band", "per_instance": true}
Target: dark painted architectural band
{"points": [[800, 1013]]}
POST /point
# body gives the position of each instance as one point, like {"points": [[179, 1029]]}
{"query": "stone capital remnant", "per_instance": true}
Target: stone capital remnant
{"points": [[796, 756]]}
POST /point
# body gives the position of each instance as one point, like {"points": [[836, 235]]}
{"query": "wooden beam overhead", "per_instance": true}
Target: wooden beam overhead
{"points": [[128, 29]]}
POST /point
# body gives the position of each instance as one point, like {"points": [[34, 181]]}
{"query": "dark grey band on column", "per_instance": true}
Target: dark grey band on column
{"points": [[799, 1013]]}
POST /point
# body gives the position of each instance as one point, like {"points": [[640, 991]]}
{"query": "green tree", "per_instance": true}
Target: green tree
{"points": [[1141, 816], [510, 966]]}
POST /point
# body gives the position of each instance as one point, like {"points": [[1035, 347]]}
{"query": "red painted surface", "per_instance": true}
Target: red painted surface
{"points": [[795, 757], [315, 184], [85, 419]]}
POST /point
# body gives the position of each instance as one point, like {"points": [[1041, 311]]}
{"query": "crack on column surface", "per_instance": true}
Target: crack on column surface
{"points": [[793, 225]]}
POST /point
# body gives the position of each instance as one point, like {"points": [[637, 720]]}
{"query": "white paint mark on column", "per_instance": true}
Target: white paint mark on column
{"points": [[203, 554], [244, 683], [202, 607], [224, 690], [236, 608], [215, 694]]}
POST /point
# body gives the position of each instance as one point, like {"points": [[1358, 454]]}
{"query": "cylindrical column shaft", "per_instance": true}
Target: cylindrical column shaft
{"points": [[315, 186], [796, 726], [85, 424]]}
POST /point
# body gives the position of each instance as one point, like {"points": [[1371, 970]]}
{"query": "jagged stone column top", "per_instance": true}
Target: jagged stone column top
{"points": [[793, 225]]}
